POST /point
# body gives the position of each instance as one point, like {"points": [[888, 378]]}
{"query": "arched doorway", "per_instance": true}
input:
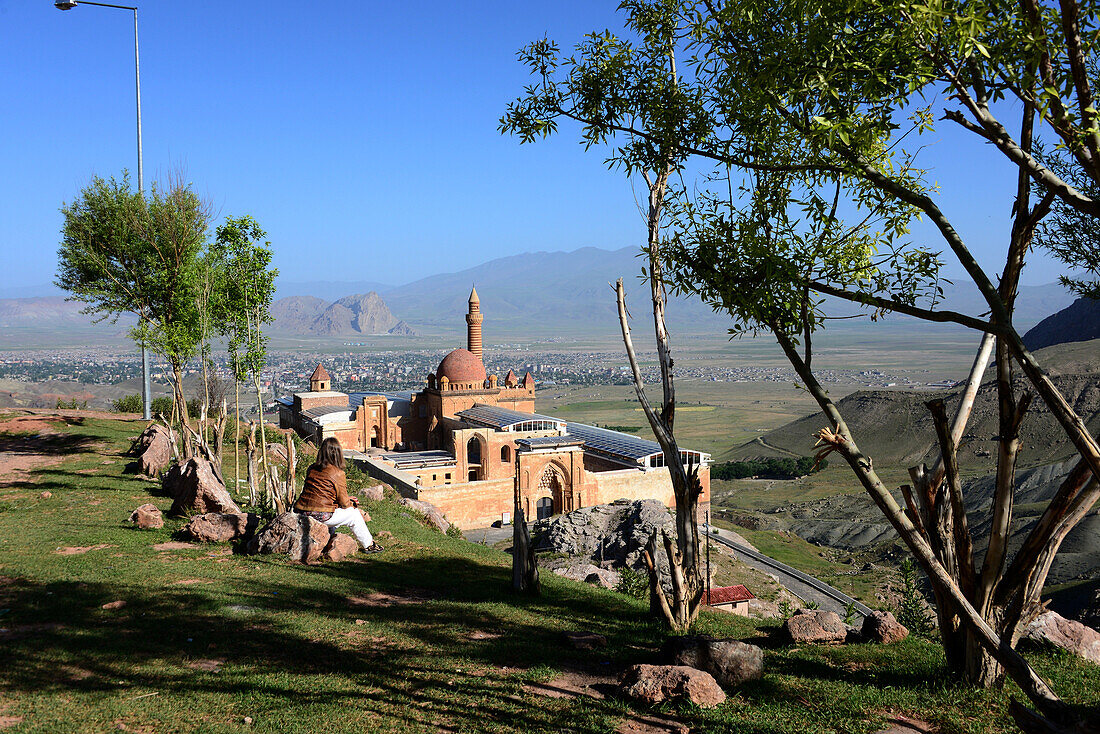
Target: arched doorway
{"points": [[473, 459], [549, 492], [374, 437]]}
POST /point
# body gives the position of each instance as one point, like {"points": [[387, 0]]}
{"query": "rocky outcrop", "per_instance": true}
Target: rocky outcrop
{"points": [[654, 684], [429, 511], [731, 662], [1054, 629], [221, 527], [614, 534], [402, 329], [147, 517], [882, 627], [815, 626], [298, 537], [583, 640], [196, 489], [153, 449]]}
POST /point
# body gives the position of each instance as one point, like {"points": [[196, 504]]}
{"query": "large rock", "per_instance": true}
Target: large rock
{"points": [[1067, 634], [147, 517], [222, 527], [299, 537], [429, 511], [882, 627], [376, 493], [815, 626], [731, 662], [591, 574], [340, 547], [153, 449], [653, 684], [196, 490]]}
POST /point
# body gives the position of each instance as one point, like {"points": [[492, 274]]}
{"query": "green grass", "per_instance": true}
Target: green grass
{"points": [[206, 638]]}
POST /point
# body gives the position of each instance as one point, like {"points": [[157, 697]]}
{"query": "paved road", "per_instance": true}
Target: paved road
{"points": [[800, 584]]}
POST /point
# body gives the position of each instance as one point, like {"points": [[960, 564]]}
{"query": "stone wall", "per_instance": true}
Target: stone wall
{"points": [[473, 504]]}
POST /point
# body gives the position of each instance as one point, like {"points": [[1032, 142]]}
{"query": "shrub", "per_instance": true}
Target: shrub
{"points": [[454, 531], [128, 404], [768, 468], [911, 611], [162, 405], [632, 583]]}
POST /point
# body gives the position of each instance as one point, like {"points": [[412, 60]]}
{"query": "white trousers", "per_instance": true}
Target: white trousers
{"points": [[352, 518]]}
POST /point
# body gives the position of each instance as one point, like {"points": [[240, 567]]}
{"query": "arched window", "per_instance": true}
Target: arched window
{"points": [[505, 454], [473, 450]]}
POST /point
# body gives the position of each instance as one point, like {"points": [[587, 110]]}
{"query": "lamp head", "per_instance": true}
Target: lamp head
{"points": [[65, 4]]}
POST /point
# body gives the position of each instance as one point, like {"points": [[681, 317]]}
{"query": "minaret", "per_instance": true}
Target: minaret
{"points": [[473, 325]]}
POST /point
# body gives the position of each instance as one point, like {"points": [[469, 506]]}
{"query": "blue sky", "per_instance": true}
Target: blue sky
{"points": [[362, 135]]}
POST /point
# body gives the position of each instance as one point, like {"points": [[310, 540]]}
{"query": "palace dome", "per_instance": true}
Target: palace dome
{"points": [[461, 365]]}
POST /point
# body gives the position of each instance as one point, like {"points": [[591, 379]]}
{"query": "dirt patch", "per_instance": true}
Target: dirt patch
{"points": [[209, 666], [385, 599], [191, 582], [8, 721], [652, 724], [75, 550], [173, 545], [483, 635], [75, 674], [112, 605], [901, 724], [31, 424], [574, 683]]}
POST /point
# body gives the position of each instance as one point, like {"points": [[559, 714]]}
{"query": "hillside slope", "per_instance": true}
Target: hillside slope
{"points": [[1078, 322]]}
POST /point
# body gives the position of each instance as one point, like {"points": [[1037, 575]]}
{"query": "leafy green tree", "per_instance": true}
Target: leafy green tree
{"points": [[128, 404], [124, 252], [242, 255], [806, 121]]}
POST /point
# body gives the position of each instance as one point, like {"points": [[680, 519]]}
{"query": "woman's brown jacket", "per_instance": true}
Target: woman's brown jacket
{"points": [[325, 490]]}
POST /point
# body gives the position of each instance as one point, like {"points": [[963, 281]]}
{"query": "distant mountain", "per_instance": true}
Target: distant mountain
{"points": [[352, 315], [1078, 322], [563, 293], [49, 312], [403, 329]]}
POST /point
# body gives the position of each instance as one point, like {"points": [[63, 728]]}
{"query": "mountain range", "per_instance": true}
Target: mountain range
{"points": [[528, 295]]}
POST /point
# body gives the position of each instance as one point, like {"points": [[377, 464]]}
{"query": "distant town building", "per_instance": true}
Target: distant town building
{"points": [[468, 441]]}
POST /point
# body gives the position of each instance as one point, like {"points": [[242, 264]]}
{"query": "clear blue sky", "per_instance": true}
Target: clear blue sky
{"points": [[362, 135]]}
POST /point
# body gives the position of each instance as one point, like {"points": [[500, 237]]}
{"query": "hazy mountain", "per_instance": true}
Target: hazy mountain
{"points": [[1080, 321], [296, 314], [49, 312], [569, 292], [359, 314]]}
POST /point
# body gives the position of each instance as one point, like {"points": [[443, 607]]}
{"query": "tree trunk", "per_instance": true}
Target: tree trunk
{"points": [[250, 454], [236, 434], [181, 409], [525, 571]]}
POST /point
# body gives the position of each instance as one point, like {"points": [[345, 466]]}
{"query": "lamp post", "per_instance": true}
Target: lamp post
{"points": [[146, 398]]}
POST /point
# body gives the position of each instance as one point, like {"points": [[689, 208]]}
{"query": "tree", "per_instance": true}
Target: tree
{"points": [[811, 116], [248, 286], [645, 79], [124, 252]]}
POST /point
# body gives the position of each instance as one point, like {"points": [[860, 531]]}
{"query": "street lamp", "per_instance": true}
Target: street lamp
{"points": [[69, 5]]}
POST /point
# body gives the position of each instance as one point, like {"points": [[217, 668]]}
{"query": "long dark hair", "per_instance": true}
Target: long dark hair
{"points": [[330, 454]]}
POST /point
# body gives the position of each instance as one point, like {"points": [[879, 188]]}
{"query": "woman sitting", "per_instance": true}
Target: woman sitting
{"points": [[325, 495]]}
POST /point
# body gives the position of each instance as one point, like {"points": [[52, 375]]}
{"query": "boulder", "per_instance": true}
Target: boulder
{"points": [[147, 517], [299, 537], [153, 449], [375, 493], [584, 640], [222, 527], [882, 627], [731, 662], [591, 574], [196, 489], [653, 684], [603, 578], [1054, 629], [815, 626], [340, 547], [429, 511]]}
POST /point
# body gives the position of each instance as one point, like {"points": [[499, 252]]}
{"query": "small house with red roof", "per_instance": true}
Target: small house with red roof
{"points": [[733, 599]]}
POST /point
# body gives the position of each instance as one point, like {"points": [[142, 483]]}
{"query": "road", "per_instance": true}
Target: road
{"points": [[800, 584]]}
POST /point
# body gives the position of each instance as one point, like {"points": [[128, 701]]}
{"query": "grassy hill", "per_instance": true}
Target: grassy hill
{"points": [[895, 428], [105, 628]]}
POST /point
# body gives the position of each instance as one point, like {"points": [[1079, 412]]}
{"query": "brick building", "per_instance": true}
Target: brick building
{"points": [[468, 441]]}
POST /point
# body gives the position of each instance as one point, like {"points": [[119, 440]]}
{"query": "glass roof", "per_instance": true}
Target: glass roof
{"points": [[501, 418]]}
